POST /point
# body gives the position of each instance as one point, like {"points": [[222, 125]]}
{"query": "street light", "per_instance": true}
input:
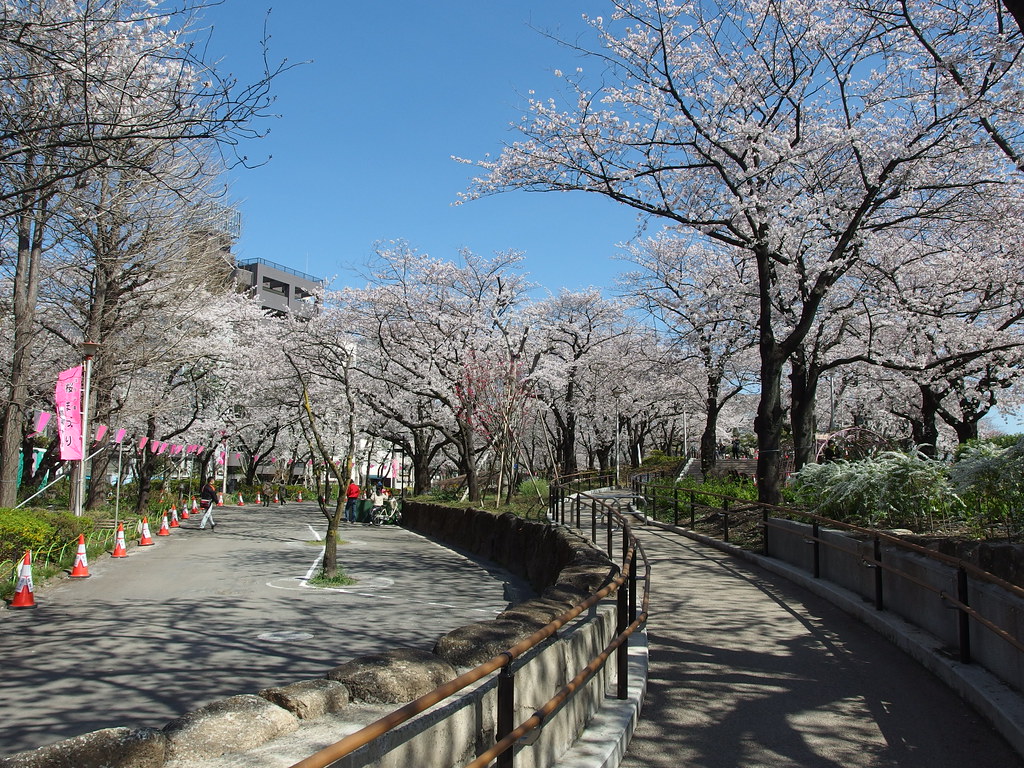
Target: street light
{"points": [[89, 348], [616, 393]]}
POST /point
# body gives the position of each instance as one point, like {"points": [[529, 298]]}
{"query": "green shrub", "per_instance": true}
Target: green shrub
{"points": [[891, 490], [534, 489], [736, 487], [989, 477], [22, 529]]}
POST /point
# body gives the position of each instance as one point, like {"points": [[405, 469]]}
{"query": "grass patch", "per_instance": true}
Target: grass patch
{"points": [[341, 580], [320, 542]]}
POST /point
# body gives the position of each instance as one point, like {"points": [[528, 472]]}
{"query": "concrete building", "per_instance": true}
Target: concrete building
{"points": [[279, 289]]}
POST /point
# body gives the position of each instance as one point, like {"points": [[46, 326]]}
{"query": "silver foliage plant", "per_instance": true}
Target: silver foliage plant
{"points": [[890, 489]]}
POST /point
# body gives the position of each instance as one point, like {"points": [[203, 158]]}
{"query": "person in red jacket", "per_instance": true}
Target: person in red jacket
{"points": [[352, 496]]}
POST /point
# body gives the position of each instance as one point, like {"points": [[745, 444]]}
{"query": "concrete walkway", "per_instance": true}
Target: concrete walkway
{"points": [[747, 669]]}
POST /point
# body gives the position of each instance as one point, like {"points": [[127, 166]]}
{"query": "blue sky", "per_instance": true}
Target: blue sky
{"points": [[361, 150]]}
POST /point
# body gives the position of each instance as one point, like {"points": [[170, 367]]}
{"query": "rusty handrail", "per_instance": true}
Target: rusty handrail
{"points": [[374, 730], [956, 562]]}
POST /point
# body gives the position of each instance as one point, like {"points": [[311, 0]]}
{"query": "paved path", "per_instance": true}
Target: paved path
{"points": [[200, 616], [748, 670]]}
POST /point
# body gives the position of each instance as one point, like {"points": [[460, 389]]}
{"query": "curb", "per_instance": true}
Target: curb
{"points": [[606, 737]]}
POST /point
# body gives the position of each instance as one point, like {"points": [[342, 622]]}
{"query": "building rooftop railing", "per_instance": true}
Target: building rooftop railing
{"points": [[282, 268]]}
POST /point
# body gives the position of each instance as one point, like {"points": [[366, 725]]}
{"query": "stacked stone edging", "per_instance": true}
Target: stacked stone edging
{"points": [[559, 564]]}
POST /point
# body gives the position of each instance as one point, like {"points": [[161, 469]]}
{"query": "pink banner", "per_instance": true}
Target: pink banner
{"points": [[41, 421], [142, 442], [101, 430], [120, 435], [163, 448], [68, 401]]}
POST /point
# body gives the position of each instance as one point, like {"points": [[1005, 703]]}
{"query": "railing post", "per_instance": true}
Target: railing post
{"points": [[964, 617], [693, 510], [725, 520], [675, 505], [608, 529], [593, 520], [654, 501], [577, 510], [632, 588], [506, 713], [879, 603], [764, 531], [622, 652], [816, 548]]}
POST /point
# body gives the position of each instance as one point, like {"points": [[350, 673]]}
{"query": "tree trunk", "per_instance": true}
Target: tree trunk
{"points": [[467, 449], [802, 418], [768, 424], [331, 540], [709, 437], [925, 430], [26, 294]]}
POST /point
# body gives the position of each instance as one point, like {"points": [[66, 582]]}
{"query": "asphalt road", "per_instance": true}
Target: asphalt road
{"points": [[201, 615]]}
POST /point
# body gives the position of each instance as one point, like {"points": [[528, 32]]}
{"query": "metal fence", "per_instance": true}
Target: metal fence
{"points": [[630, 616]]}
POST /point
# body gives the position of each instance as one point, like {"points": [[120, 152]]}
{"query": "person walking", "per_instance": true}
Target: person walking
{"points": [[207, 501], [266, 489], [351, 500]]}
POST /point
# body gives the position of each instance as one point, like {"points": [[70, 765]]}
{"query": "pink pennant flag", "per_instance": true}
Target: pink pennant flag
{"points": [[120, 435], [273, 459], [176, 449], [238, 456], [221, 457], [154, 446], [101, 430], [394, 468], [68, 401], [42, 419], [163, 447], [142, 442]]}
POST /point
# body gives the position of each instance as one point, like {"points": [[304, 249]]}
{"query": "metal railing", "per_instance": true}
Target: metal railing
{"points": [[630, 617], [664, 501]]}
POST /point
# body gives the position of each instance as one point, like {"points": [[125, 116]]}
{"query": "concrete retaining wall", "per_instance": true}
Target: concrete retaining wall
{"points": [[916, 599], [280, 726]]}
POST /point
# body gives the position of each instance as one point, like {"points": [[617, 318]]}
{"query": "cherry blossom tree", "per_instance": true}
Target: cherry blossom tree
{"points": [[81, 83], [795, 137], [569, 332], [431, 322], [699, 295]]}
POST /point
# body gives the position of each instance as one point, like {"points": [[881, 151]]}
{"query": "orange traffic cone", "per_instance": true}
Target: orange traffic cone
{"points": [[80, 570], [220, 499], [23, 597], [300, 496], [174, 518], [164, 528], [258, 499], [276, 500], [240, 502], [120, 550], [146, 540], [195, 504]]}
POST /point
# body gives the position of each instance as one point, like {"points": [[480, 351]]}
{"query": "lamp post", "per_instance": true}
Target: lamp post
{"points": [[89, 349], [616, 393]]}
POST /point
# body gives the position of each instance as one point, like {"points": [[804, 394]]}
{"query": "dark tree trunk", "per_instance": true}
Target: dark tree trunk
{"points": [[802, 418]]}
